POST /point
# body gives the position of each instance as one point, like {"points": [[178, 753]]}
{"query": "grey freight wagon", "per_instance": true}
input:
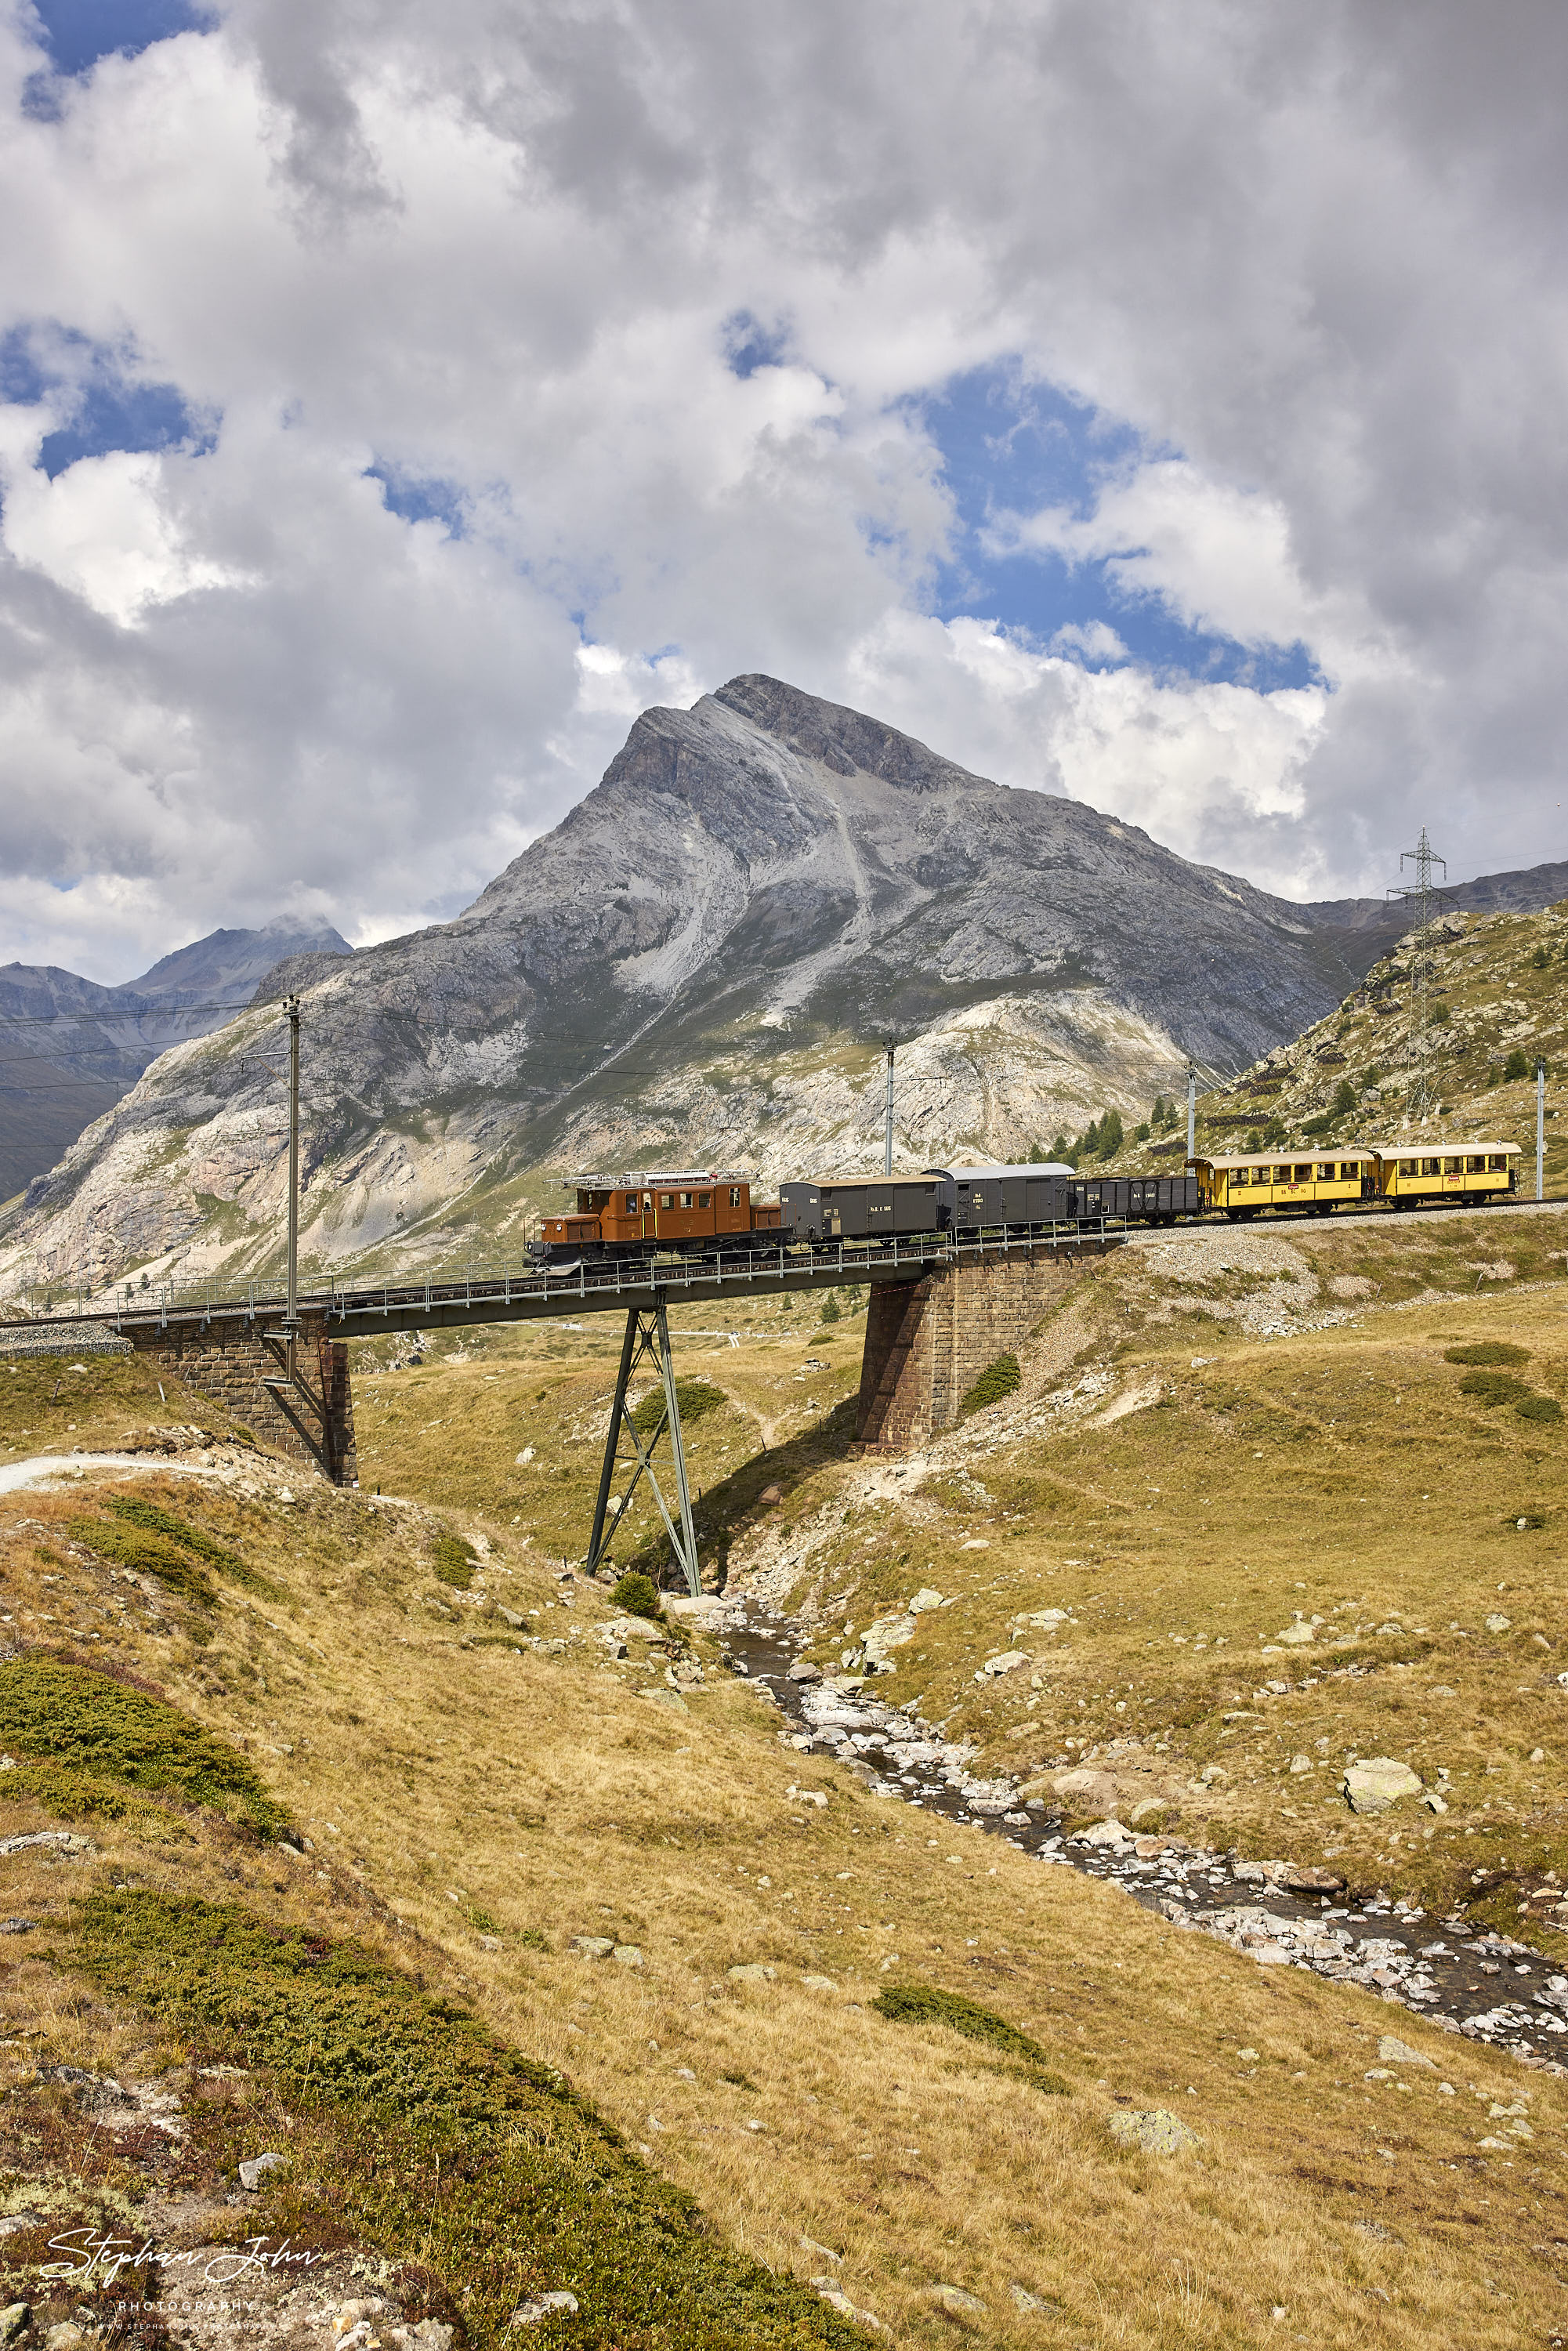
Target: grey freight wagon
{"points": [[982, 1198], [864, 1207]]}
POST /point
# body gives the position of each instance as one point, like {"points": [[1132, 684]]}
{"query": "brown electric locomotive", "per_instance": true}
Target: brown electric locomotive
{"points": [[646, 1211]]}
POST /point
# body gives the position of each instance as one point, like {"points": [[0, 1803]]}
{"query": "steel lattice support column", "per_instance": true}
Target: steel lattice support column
{"points": [[647, 1340]]}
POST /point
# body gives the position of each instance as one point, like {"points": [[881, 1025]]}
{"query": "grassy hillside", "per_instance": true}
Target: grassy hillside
{"points": [[473, 2113], [1498, 999]]}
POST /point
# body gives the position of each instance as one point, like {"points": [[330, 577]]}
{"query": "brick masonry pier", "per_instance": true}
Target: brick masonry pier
{"points": [[927, 1343], [231, 1362]]}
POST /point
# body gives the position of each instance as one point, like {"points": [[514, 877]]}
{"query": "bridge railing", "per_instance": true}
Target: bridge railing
{"points": [[583, 1282]]}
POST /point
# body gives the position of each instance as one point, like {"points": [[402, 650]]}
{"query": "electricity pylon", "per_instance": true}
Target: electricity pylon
{"points": [[1427, 901]]}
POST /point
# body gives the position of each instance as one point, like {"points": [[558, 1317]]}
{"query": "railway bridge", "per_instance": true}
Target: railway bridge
{"points": [[941, 1308]]}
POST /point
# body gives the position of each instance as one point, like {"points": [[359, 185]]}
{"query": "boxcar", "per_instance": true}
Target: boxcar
{"points": [[982, 1198], [1448, 1171], [1311, 1183], [864, 1207]]}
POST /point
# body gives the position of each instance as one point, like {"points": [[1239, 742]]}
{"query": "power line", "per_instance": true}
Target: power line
{"points": [[152, 1010]]}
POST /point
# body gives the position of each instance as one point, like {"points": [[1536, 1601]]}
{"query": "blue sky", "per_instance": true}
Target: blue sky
{"points": [[104, 402], [80, 32], [1013, 447]]}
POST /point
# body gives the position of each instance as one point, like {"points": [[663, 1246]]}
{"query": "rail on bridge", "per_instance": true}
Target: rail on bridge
{"points": [[941, 1308]]}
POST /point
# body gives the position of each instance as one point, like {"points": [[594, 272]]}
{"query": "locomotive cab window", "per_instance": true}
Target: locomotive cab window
{"points": [[1496, 1159], [666, 1200], [735, 1195], [702, 1199]]}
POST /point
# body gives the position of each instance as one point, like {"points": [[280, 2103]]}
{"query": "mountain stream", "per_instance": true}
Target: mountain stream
{"points": [[1484, 1986]]}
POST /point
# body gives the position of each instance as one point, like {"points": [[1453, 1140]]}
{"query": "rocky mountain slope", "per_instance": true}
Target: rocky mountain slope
{"points": [[702, 963], [1497, 992], [74, 1047]]}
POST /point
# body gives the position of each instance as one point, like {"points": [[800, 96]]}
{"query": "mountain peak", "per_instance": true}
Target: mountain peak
{"points": [[845, 740]]}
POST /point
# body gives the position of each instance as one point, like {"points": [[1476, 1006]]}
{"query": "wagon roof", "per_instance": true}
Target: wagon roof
{"points": [[1289, 1154], [645, 1177], [1420, 1148], [1030, 1167]]}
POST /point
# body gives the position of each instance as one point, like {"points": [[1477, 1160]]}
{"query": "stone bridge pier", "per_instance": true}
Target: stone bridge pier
{"points": [[927, 1341], [239, 1365]]}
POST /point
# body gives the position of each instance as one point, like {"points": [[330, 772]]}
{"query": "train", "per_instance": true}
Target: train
{"points": [[659, 1212]]}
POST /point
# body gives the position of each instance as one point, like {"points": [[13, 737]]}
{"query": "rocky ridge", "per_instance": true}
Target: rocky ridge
{"points": [[76, 1047]]}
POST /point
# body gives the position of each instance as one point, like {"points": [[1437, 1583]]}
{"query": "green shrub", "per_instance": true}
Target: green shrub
{"points": [[924, 2003], [695, 1399], [998, 1379], [1516, 1066], [1540, 959], [830, 1314], [1486, 1351], [1110, 1134], [146, 1554], [454, 1561], [1493, 1388], [1320, 1125], [1440, 1012], [73, 1719], [1343, 1099], [440, 2145], [153, 1520], [635, 1595], [1369, 1078], [1538, 1408], [534, 1939]]}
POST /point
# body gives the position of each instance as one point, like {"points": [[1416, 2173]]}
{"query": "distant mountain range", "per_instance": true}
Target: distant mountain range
{"points": [[702, 964], [73, 1048]]}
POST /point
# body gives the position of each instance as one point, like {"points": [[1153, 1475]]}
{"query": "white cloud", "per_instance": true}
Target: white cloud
{"points": [[104, 528], [1314, 259]]}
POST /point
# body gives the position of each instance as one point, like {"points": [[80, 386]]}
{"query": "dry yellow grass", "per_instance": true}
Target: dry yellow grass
{"points": [[444, 1787]]}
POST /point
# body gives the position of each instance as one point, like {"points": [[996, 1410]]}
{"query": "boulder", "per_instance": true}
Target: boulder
{"points": [[1307, 1879], [1148, 1808], [591, 1947], [632, 1629], [628, 1954], [1109, 1835], [1298, 1634], [752, 1972], [1085, 1790], [672, 1699], [803, 1670], [1396, 2053], [1005, 1661], [888, 1632], [1157, 2131], [544, 2305], [923, 1600], [817, 1983], [254, 2168], [1377, 1782], [953, 2302]]}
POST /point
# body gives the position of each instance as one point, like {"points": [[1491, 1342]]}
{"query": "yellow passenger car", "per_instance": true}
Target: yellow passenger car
{"points": [[1310, 1182], [1448, 1171]]}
